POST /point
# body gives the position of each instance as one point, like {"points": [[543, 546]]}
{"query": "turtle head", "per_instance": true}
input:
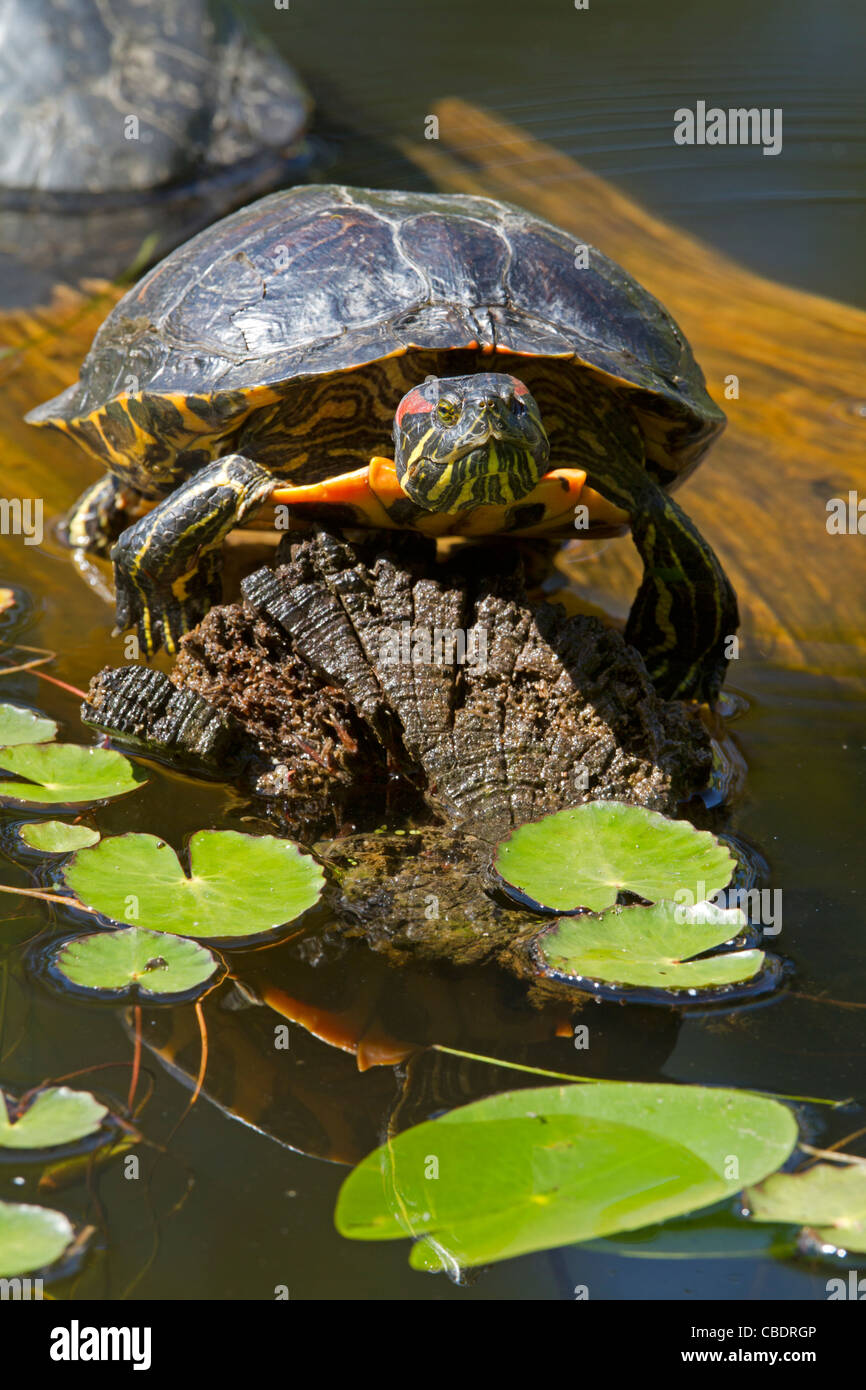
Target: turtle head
{"points": [[462, 441]]}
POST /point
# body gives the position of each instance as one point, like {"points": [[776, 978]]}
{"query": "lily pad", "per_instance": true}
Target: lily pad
{"points": [[133, 962], [66, 773], [829, 1198], [584, 856], [55, 1116], [56, 837], [651, 947], [534, 1169], [31, 1237], [21, 725], [238, 886]]}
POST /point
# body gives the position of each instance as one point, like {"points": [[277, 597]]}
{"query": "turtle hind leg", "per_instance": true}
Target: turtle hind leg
{"points": [[685, 611], [167, 568], [101, 514]]}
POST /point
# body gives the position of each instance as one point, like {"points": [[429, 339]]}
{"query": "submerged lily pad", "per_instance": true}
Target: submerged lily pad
{"points": [[57, 1115], [829, 1198], [584, 856], [66, 773], [135, 962], [21, 725], [239, 885], [31, 1237], [649, 946], [531, 1170], [56, 837]]}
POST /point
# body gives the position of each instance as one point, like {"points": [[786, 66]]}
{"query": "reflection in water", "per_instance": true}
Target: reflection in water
{"points": [[601, 88]]}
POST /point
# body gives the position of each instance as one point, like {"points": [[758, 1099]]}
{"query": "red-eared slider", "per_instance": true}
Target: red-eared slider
{"points": [[289, 341], [119, 96]]}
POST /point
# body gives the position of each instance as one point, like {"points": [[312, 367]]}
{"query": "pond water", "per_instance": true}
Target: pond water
{"points": [[229, 1213]]}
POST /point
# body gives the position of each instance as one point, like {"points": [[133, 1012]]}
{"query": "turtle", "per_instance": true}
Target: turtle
{"points": [[125, 127], [116, 96], [530, 386]]}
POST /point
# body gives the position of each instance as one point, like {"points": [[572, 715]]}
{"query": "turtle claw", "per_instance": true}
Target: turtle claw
{"points": [[152, 606]]}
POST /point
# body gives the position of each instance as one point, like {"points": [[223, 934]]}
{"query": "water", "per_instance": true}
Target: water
{"points": [[229, 1213]]}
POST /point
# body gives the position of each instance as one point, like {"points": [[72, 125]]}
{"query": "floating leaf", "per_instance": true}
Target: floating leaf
{"points": [[56, 837], [829, 1198], [530, 1170], [57, 1115], [66, 773], [239, 885], [135, 962], [650, 946], [20, 725], [584, 856], [31, 1237]]}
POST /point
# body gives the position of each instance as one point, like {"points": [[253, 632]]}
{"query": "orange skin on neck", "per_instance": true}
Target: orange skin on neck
{"points": [[372, 489]]}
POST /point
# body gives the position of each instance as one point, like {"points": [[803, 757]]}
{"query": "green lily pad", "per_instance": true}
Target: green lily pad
{"points": [[531, 1170], [649, 946], [31, 1237], [239, 885], [135, 962], [66, 773], [584, 856], [57, 1115], [20, 725], [56, 837], [829, 1198]]}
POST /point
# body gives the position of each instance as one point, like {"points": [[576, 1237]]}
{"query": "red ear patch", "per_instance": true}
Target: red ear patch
{"points": [[519, 388], [413, 404]]}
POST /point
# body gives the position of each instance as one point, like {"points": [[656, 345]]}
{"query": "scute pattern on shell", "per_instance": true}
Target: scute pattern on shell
{"points": [[322, 280]]}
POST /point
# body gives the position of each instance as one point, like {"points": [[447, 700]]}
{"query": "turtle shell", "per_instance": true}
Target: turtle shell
{"points": [[205, 94], [290, 329]]}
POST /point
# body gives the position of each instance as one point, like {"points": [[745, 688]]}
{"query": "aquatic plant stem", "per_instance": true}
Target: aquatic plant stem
{"points": [[517, 1066], [199, 1082], [136, 1059], [45, 655], [48, 897], [598, 1080]]}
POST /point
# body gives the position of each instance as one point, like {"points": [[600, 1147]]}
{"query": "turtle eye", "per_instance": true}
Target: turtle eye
{"points": [[447, 412]]}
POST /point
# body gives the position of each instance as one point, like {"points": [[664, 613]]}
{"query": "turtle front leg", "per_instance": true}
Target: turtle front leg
{"points": [[101, 514], [167, 566]]}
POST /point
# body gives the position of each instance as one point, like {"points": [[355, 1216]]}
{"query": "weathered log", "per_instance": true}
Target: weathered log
{"points": [[356, 670], [145, 710]]}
